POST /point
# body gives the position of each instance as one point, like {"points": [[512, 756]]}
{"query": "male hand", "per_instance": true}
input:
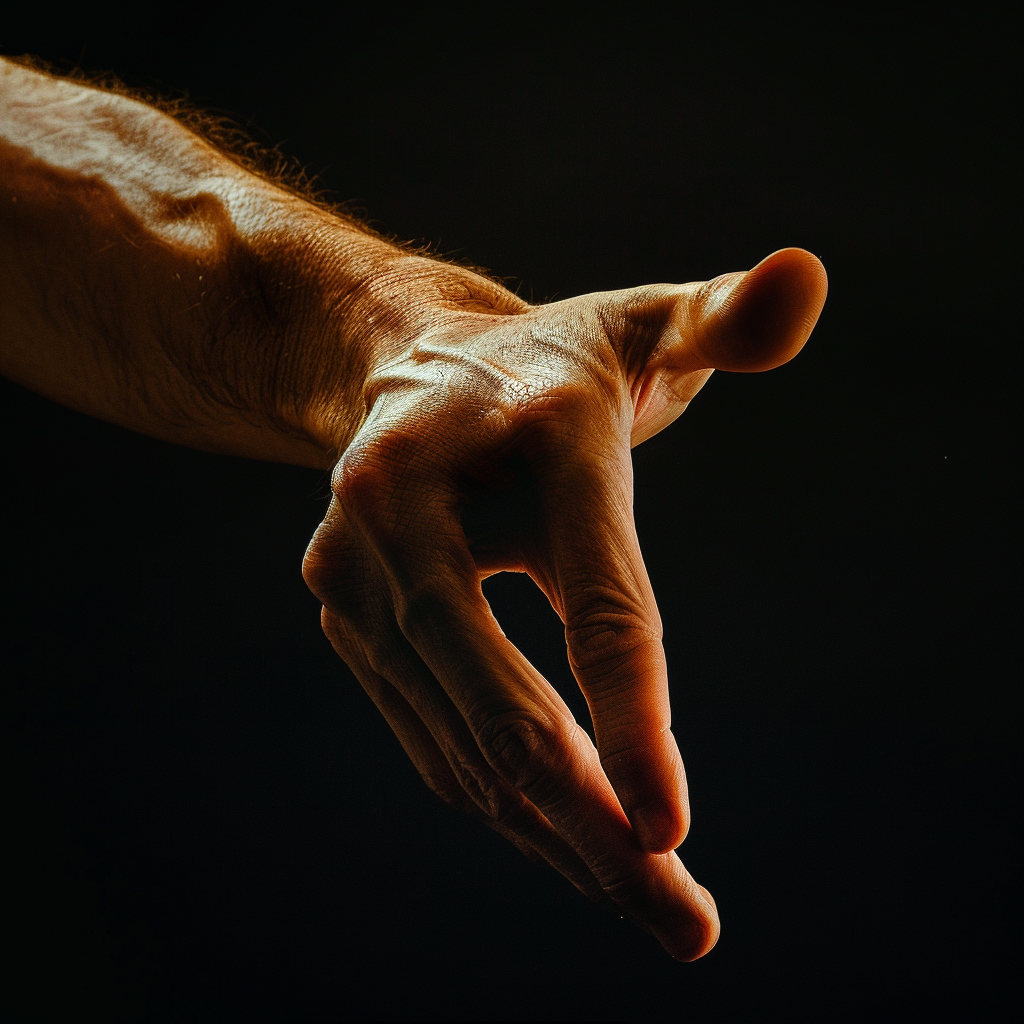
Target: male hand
{"points": [[498, 439], [205, 305]]}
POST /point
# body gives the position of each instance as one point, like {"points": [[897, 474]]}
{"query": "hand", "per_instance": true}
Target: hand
{"points": [[498, 440], [204, 305]]}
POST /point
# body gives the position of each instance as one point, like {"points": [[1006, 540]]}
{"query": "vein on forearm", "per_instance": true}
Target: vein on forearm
{"points": [[149, 279], [155, 281]]}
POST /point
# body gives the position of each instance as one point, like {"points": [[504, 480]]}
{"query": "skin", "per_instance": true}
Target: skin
{"points": [[150, 280]]}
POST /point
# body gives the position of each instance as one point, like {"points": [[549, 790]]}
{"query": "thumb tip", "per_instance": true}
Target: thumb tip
{"points": [[799, 271], [761, 319], [795, 263]]}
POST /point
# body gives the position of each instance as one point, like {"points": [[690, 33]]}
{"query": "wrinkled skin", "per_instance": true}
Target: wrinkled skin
{"points": [[499, 440], [153, 282]]}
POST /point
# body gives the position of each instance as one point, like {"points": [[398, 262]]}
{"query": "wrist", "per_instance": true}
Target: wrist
{"points": [[199, 303], [366, 304]]}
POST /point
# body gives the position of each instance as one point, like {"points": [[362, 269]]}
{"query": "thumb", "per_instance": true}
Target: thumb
{"points": [[741, 322], [750, 321]]}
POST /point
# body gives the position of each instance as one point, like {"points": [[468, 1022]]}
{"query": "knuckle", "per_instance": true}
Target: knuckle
{"points": [[623, 885], [527, 752], [334, 556], [314, 567], [608, 634], [627, 750], [333, 628], [402, 451], [319, 567], [329, 571], [361, 479], [634, 321], [485, 790]]}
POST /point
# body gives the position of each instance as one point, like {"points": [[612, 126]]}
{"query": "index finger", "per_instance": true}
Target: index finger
{"points": [[515, 717], [595, 577]]}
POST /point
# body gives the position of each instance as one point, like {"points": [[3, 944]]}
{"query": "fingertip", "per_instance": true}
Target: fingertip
{"points": [[701, 933], [708, 898], [761, 319], [794, 286], [659, 829], [701, 946], [650, 781]]}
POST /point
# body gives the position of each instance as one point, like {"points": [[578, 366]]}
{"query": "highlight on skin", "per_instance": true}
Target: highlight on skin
{"points": [[467, 432]]}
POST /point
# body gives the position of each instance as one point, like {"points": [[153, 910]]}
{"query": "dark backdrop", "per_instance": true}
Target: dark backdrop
{"points": [[210, 819]]}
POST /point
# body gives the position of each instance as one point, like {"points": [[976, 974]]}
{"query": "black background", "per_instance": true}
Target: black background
{"points": [[209, 818]]}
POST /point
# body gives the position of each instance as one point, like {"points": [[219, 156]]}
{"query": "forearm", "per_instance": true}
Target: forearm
{"points": [[150, 280]]}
